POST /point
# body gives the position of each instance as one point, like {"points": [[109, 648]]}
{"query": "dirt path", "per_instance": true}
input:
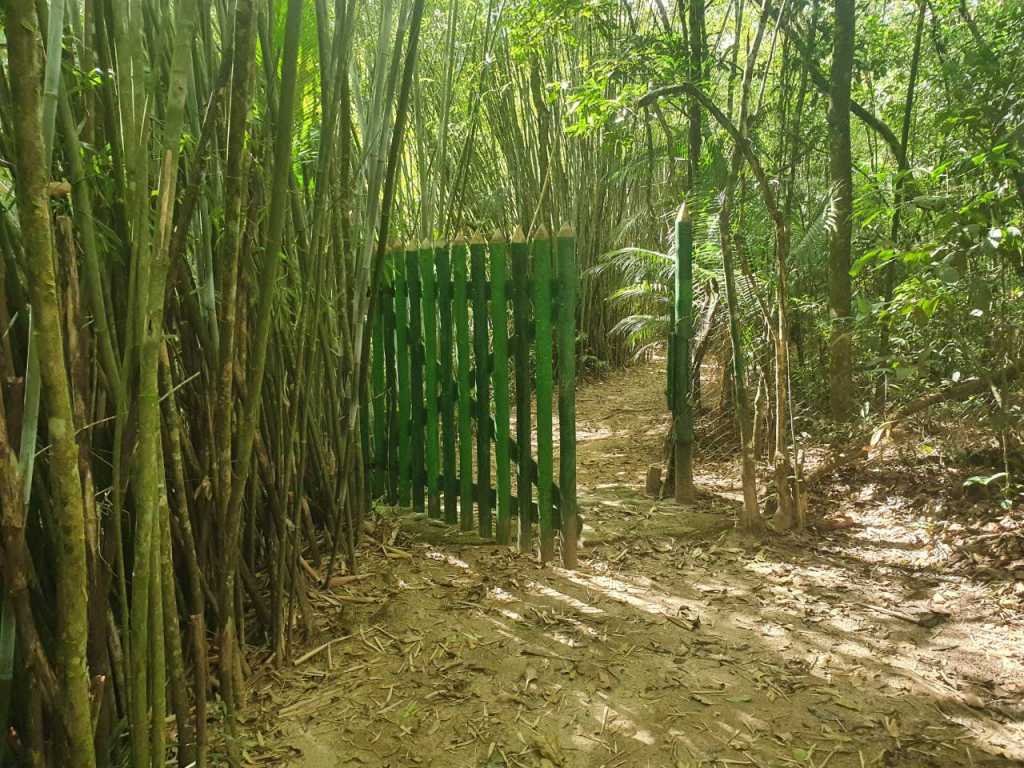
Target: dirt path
{"points": [[676, 643]]}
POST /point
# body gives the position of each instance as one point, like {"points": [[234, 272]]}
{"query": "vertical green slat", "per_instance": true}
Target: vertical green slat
{"points": [[670, 362], [682, 407], [519, 253], [430, 378], [364, 431], [417, 415], [461, 312], [502, 415], [379, 408], [541, 253], [404, 372], [444, 299], [566, 249], [387, 299], [478, 268]]}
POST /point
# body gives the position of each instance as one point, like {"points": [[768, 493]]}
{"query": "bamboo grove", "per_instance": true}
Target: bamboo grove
{"points": [[196, 203], [198, 199], [184, 301]]}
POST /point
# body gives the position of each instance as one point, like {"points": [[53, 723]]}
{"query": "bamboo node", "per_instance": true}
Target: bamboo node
{"points": [[518, 236]]}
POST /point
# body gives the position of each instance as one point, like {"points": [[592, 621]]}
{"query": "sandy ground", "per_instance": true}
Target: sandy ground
{"points": [[676, 643]]}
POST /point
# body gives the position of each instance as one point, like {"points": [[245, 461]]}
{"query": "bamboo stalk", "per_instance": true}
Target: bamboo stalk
{"points": [[520, 254], [540, 252], [461, 312], [33, 215], [448, 396], [389, 331], [429, 307], [478, 256], [682, 333], [417, 413], [379, 409], [282, 151], [567, 290], [403, 358], [502, 411]]}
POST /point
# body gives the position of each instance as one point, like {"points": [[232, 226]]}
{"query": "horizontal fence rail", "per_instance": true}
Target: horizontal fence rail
{"points": [[467, 334]]}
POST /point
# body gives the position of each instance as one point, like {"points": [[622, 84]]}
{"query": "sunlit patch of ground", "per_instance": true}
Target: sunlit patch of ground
{"points": [[676, 643]]}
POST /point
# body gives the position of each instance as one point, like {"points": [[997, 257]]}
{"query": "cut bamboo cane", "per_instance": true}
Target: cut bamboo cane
{"points": [[478, 261], [404, 386], [682, 407], [461, 312], [519, 251], [417, 413], [379, 408], [541, 256], [567, 289], [502, 411], [387, 305], [448, 396], [432, 447]]}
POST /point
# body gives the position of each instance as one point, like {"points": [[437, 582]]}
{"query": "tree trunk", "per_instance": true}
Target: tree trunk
{"points": [[840, 173], [696, 44]]}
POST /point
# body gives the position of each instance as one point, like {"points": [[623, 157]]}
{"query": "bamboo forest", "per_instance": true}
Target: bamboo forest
{"points": [[511, 383]]}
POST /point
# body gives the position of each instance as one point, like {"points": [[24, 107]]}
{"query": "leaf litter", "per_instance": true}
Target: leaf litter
{"points": [[677, 643]]}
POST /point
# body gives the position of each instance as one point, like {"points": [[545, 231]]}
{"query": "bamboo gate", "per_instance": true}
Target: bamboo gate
{"points": [[464, 332]]}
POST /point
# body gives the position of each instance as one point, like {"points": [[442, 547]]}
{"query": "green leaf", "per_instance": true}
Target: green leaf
{"points": [[984, 481]]}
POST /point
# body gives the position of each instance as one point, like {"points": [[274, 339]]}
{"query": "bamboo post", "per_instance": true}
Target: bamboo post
{"points": [[418, 417], [520, 255], [387, 300], [541, 253], [379, 410], [478, 267], [682, 406], [461, 312], [567, 290], [502, 411], [432, 448], [404, 372], [448, 396]]}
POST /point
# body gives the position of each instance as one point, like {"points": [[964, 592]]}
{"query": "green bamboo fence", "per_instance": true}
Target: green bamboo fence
{"points": [[477, 340]]}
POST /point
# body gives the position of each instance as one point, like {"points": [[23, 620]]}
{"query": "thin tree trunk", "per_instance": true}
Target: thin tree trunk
{"points": [[840, 244], [696, 45]]}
